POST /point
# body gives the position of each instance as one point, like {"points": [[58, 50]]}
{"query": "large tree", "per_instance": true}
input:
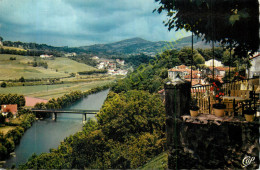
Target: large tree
{"points": [[234, 22]]}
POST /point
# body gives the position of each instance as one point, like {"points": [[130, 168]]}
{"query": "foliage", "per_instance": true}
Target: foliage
{"points": [[185, 55], [150, 76], [12, 99], [158, 162], [194, 107], [92, 72], [12, 138], [22, 79], [136, 60], [217, 20], [217, 91], [129, 132], [3, 84], [12, 58]]}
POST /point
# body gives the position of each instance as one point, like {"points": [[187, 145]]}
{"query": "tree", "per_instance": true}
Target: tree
{"points": [[217, 20], [3, 84], [22, 79]]}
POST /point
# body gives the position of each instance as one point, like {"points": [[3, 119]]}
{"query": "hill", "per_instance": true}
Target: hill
{"points": [[60, 67], [139, 45]]}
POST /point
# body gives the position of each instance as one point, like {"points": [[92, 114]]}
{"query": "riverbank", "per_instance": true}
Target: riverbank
{"points": [[47, 134], [13, 134], [30, 102]]}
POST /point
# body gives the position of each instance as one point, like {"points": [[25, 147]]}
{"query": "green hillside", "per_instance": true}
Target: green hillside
{"points": [[158, 162], [60, 67]]}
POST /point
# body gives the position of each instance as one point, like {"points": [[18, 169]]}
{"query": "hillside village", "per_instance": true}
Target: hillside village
{"points": [[199, 77], [113, 66]]}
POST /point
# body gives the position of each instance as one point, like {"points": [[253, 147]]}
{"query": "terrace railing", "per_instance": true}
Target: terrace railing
{"points": [[244, 90]]}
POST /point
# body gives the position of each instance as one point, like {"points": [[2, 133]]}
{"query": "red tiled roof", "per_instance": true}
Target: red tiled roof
{"points": [[161, 91]]}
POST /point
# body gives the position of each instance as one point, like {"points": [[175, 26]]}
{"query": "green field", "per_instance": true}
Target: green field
{"points": [[13, 48], [57, 90], [63, 64], [158, 162], [60, 67]]}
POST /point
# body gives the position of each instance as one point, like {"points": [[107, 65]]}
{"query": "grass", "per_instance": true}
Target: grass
{"points": [[158, 162], [63, 64], [60, 67], [6, 129], [57, 90], [13, 48]]}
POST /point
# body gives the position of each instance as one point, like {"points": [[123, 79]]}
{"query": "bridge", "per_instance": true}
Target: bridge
{"points": [[55, 112]]}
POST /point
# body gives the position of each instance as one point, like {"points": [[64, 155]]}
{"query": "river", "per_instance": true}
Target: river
{"points": [[46, 134]]}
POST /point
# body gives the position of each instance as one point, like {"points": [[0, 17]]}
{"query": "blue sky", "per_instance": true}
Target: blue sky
{"points": [[82, 22]]}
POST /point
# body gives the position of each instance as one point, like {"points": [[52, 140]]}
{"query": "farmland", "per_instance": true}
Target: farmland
{"points": [[56, 90], [60, 67]]}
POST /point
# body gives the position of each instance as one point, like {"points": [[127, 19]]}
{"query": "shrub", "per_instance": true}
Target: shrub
{"points": [[3, 84]]}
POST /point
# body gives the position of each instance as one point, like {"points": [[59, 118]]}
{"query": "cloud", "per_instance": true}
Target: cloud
{"points": [[80, 22]]}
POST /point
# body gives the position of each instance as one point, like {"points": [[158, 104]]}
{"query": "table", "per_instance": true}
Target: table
{"points": [[231, 102]]}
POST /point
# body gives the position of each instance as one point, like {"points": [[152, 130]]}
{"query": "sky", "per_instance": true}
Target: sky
{"points": [[76, 23]]}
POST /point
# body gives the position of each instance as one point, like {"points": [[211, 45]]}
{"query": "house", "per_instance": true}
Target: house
{"points": [[6, 108], [120, 62], [172, 73], [112, 65], [254, 70], [217, 63], [219, 71], [46, 56], [95, 58], [185, 73], [122, 72], [101, 65]]}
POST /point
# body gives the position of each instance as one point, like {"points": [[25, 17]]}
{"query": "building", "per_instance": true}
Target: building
{"points": [[254, 70], [120, 62], [185, 73], [217, 63], [101, 65], [70, 54], [218, 71], [181, 70], [95, 58], [46, 56], [112, 65], [6, 108]]}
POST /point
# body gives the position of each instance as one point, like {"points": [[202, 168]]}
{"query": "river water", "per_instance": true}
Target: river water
{"points": [[46, 134]]}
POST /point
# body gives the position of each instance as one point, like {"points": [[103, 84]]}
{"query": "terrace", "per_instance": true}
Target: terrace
{"points": [[237, 96]]}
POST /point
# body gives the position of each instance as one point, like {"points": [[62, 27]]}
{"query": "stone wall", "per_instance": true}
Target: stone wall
{"points": [[207, 141]]}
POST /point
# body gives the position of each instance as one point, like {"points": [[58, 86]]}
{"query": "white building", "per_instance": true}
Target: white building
{"points": [[95, 58], [254, 70], [181, 70], [46, 56], [121, 62], [101, 65], [217, 63]]}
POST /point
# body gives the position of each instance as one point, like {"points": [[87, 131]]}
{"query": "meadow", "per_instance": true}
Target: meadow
{"points": [[56, 90], [60, 67]]}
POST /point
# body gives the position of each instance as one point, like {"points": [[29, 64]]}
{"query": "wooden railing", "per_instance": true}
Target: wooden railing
{"points": [[246, 89], [203, 98]]}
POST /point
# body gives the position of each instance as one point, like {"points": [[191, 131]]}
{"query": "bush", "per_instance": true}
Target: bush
{"points": [[3, 84]]}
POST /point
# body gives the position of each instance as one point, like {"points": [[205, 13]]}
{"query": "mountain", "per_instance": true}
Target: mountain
{"points": [[139, 45]]}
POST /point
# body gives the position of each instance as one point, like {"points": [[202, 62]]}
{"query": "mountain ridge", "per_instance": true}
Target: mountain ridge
{"points": [[139, 45]]}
